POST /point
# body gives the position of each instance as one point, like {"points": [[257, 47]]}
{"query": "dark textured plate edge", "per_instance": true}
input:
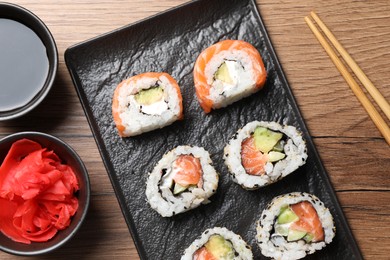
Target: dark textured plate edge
{"points": [[102, 150], [309, 141], [136, 23]]}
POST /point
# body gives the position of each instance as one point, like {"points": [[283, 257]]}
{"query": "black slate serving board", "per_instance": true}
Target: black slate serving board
{"points": [[170, 42]]}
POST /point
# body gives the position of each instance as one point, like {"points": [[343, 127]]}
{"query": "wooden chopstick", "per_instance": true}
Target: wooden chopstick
{"points": [[368, 106], [374, 92]]}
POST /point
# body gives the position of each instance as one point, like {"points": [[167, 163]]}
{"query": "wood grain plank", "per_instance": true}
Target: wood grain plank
{"points": [[354, 154], [324, 98], [368, 215], [370, 167]]}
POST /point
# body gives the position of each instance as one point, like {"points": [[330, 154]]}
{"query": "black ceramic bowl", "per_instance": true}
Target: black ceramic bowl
{"points": [[69, 157], [27, 18]]}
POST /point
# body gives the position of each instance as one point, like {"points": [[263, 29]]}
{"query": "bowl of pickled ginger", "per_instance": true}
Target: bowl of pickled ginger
{"points": [[44, 193]]}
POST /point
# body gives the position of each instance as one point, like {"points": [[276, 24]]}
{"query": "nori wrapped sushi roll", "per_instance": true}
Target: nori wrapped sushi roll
{"points": [[218, 243], [294, 225], [264, 152], [182, 180]]}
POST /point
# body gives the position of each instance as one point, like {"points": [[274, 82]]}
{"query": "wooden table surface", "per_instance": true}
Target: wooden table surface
{"points": [[354, 154]]}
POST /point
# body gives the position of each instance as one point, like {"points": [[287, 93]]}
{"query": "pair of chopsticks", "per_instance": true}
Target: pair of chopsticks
{"points": [[375, 94]]}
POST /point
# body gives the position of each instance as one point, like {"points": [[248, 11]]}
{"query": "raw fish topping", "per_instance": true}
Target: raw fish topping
{"points": [[261, 147], [186, 172], [189, 170], [252, 159], [299, 221], [37, 193], [203, 254]]}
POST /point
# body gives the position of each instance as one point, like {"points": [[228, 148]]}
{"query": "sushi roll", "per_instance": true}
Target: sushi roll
{"points": [[294, 225], [264, 152], [182, 180], [146, 102], [218, 243], [227, 72]]}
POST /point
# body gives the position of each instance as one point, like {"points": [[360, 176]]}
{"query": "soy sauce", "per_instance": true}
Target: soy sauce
{"points": [[24, 64]]}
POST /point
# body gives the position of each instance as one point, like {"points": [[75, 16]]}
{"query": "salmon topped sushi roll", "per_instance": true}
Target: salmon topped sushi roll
{"points": [[182, 180], [227, 72], [146, 102], [293, 225]]}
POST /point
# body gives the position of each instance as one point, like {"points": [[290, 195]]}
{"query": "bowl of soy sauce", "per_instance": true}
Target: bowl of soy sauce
{"points": [[28, 61]]}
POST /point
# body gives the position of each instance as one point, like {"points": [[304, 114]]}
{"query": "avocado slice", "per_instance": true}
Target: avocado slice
{"points": [[223, 74], [308, 237], [149, 96], [265, 139], [294, 235], [178, 188], [275, 156], [287, 216], [219, 247]]}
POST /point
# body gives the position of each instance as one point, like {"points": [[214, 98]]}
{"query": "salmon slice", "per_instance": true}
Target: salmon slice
{"points": [[115, 100], [308, 220], [200, 80], [188, 170], [252, 159], [203, 254]]}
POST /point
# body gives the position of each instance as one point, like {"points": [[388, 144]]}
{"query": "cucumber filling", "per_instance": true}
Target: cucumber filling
{"points": [[167, 182], [283, 227], [177, 188]]}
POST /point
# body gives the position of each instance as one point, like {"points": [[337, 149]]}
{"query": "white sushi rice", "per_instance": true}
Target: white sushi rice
{"points": [[137, 119], [168, 204], [243, 73], [242, 249], [278, 247], [294, 149]]}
